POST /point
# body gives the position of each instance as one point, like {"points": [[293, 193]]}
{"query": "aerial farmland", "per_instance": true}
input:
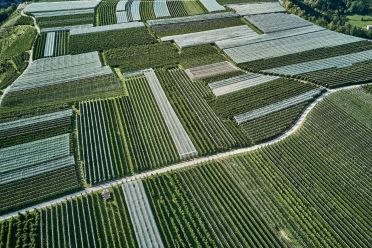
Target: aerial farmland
{"points": [[185, 123]]}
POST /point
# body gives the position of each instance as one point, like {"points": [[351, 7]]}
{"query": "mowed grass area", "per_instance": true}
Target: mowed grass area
{"points": [[360, 21]]}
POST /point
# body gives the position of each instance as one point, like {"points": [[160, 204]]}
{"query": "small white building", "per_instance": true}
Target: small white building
{"points": [[369, 27]]}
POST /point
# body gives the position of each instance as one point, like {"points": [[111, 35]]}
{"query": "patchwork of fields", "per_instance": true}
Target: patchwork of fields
{"points": [[96, 93]]}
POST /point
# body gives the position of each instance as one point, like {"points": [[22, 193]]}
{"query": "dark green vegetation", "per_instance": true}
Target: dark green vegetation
{"points": [[249, 99], [184, 8], [332, 14], [207, 132], [88, 221], [110, 39], [311, 55], [190, 27], [15, 42], [61, 45], [147, 10], [21, 231], [269, 126], [39, 188], [129, 135], [60, 21], [337, 77], [301, 192], [160, 55], [71, 91], [106, 12]]}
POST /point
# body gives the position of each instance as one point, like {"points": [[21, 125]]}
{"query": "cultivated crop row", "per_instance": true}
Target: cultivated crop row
{"points": [[307, 56], [230, 105], [56, 46], [308, 96], [124, 135], [311, 188], [33, 189], [322, 64], [88, 221], [207, 132], [143, 221], [179, 135], [288, 45]]}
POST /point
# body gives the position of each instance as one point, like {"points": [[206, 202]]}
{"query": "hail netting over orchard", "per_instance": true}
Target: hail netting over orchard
{"points": [[61, 8], [308, 96], [212, 5], [234, 84], [256, 8], [143, 221], [210, 36], [210, 70], [277, 21], [50, 71], [289, 45], [241, 41], [161, 8], [105, 28], [35, 124], [179, 135], [33, 158], [195, 18], [321, 64], [49, 44]]}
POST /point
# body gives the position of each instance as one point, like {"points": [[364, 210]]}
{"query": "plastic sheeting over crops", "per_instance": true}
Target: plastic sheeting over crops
{"points": [[210, 36], [212, 5], [321, 64], [105, 28], [257, 113], [60, 6], [241, 82], [179, 135], [142, 218], [256, 8], [210, 70]]}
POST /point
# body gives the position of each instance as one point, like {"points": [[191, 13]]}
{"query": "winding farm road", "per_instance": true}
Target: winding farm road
{"points": [[184, 164]]}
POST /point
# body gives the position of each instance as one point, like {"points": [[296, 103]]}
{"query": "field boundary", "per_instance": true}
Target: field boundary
{"points": [[186, 164]]}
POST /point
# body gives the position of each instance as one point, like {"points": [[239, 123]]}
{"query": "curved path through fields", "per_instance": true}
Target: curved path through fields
{"points": [[184, 164]]}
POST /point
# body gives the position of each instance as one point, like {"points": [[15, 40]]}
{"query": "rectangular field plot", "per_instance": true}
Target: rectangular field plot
{"points": [[241, 41], [180, 137], [83, 72], [244, 81], [88, 221], [272, 108], [256, 8], [60, 6], [321, 64], [210, 36], [35, 124], [51, 44], [161, 9], [207, 132], [196, 18], [260, 96], [277, 22], [124, 135], [113, 27], [143, 221], [212, 5], [211, 70], [289, 45], [37, 159]]}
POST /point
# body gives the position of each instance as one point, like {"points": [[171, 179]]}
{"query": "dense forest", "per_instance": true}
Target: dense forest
{"points": [[333, 13]]}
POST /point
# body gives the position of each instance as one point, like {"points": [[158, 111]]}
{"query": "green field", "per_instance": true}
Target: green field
{"points": [[359, 20]]}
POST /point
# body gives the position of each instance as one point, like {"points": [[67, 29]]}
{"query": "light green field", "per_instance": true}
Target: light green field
{"points": [[360, 21]]}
